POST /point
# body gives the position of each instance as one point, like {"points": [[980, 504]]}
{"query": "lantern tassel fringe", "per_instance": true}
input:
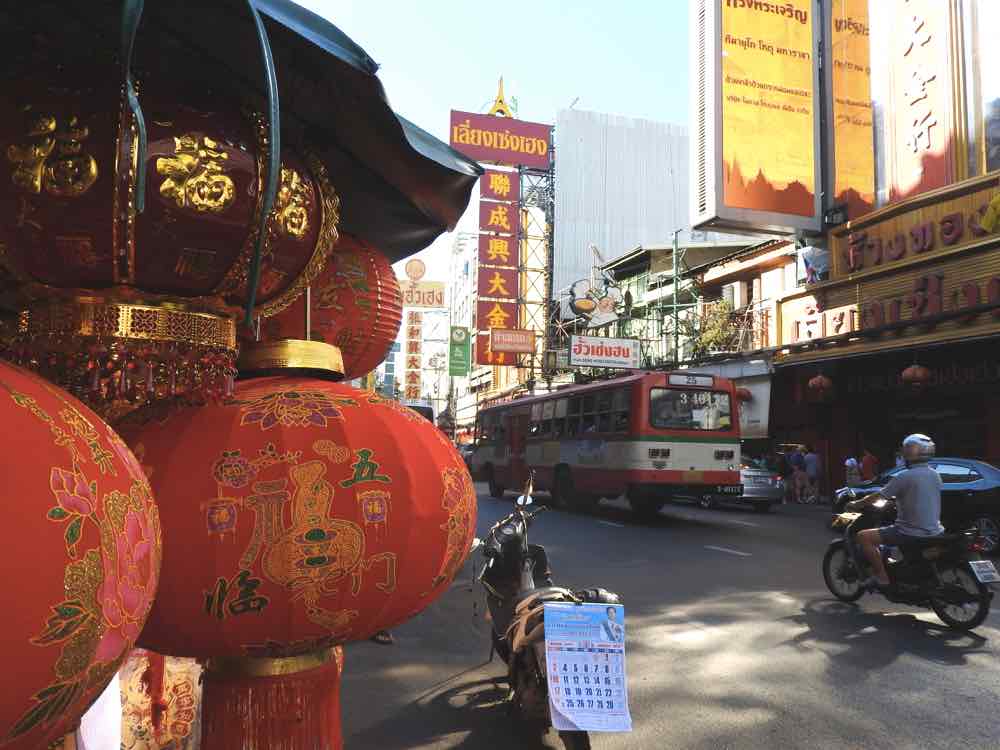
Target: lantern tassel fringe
{"points": [[299, 711]]}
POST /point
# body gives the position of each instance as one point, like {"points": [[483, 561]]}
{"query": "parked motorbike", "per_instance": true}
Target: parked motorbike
{"points": [[517, 581], [945, 573]]}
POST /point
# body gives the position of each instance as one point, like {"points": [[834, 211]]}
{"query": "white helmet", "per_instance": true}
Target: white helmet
{"points": [[918, 448]]}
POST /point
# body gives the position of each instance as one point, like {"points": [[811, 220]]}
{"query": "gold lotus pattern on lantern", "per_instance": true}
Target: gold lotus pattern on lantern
{"points": [[194, 175], [293, 409], [53, 157], [459, 500], [112, 542]]}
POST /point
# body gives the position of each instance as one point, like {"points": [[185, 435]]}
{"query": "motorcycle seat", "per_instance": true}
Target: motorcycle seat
{"points": [[932, 541]]}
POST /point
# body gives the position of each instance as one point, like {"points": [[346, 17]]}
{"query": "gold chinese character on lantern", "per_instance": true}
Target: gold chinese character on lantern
{"points": [[194, 175], [500, 184], [53, 158], [291, 209]]}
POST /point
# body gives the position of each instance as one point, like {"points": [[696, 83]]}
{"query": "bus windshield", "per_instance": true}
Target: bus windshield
{"points": [[677, 409]]}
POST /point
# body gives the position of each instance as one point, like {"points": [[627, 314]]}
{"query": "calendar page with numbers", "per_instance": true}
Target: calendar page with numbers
{"points": [[585, 659]]}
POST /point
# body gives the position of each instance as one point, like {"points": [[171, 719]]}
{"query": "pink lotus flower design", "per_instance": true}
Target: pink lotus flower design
{"points": [[72, 491]]}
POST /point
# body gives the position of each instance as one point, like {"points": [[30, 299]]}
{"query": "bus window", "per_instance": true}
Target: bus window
{"points": [[671, 409], [588, 403], [573, 425], [604, 422], [588, 423], [603, 401], [561, 407], [574, 405], [620, 410]]}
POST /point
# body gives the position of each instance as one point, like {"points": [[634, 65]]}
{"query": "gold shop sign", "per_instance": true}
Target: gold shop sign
{"points": [[934, 224]]}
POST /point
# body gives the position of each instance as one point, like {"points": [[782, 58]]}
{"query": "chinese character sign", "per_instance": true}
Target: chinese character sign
{"points": [[501, 283], [414, 355], [500, 186], [486, 356], [498, 217], [459, 352], [495, 315], [497, 251], [501, 140], [585, 660]]}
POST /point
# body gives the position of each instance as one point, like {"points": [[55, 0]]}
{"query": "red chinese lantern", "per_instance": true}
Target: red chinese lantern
{"points": [[81, 548], [356, 305], [821, 385], [300, 514], [916, 377], [744, 394]]}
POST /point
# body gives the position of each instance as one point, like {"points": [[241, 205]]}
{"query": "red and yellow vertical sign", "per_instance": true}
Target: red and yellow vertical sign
{"points": [[768, 113], [853, 146]]}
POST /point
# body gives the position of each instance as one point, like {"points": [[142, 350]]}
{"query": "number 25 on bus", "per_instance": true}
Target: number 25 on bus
{"points": [[649, 436]]}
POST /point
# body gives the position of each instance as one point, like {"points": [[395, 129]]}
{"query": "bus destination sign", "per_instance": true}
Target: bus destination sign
{"points": [[597, 351], [699, 381]]}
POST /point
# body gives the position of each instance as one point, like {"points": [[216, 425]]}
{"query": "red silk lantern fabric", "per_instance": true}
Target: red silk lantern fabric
{"points": [[356, 305], [299, 514], [81, 550], [916, 376]]}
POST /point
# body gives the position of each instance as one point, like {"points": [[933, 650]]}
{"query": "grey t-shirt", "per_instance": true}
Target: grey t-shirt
{"points": [[918, 501]]}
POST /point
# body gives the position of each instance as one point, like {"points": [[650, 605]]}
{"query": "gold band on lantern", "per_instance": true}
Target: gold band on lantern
{"points": [[266, 357], [128, 322], [258, 666]]}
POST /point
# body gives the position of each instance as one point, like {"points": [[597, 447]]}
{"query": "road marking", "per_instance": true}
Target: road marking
{"points": [[728, 551], [612, 523], [744, 523]]}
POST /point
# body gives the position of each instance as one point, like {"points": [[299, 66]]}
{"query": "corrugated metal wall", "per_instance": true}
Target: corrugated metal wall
{"points": [[620, 182]]}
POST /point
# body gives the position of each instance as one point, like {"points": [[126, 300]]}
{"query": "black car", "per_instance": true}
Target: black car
{"points": [[970, 496]]}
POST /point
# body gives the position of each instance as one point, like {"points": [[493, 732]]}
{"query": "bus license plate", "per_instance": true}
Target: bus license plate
{"points": [[985, 571], [730, 490]]}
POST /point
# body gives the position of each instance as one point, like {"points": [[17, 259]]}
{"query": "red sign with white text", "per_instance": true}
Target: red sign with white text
{"points": [[498, 282], [500, 186], [502, 140], [496, 250]]}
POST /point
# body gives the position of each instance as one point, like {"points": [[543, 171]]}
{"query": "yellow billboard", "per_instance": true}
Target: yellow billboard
{"points": [[768, 119], [853, 147]]}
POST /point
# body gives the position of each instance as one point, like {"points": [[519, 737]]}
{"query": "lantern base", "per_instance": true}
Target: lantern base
{"points": [[286, 356], [281, 704]]}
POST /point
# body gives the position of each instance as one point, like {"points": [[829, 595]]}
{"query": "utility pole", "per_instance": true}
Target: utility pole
{"points": [[677, 333]]}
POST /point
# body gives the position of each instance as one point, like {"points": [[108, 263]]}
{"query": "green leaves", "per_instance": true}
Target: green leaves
{"points": [[57, 514], [66, 619], [73, 532], [49, 703]]}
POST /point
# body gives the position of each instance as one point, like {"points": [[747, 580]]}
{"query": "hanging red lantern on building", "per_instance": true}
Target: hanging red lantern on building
{"points": [[81, 549], [821, 386], [744, 394], [300, 514], [355, 304], [916, 377]]}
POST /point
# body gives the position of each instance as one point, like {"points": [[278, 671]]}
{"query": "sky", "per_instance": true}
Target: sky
{"points": [[627, 58]]}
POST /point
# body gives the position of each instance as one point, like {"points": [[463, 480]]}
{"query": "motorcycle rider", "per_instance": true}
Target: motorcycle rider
{"points": [[917, 490]]}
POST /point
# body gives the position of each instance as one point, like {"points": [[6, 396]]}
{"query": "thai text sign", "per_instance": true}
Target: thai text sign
{"points": [[498, 282], [486, 356], [767, 97], [501, 140], [500, 186], [512, 341], [497, 217], [898, 235], [459, 352], [495, 315], [596, 351], [854, 159], [422, 293], [497, 251]]}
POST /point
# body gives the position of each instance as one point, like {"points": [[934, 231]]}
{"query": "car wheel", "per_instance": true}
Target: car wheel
{"points": [[989, 534], [706, 502]]}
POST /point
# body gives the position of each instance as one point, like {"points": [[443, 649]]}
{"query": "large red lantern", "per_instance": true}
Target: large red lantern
{"points": [[355, 304], [81, 555], [916, 377], [299, 514]]}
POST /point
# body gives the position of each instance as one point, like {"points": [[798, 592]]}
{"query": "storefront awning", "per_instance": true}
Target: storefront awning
{"points": [[400, 187]]}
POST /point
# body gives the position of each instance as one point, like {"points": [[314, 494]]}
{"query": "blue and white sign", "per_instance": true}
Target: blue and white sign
{"points": [[585, 660]]}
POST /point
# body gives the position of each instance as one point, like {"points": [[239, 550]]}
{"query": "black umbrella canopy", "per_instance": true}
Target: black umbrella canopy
{"points": [[400, 187]]}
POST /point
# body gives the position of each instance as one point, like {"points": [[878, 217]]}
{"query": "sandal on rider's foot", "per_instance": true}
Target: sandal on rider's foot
{"points": [[383, 637]]}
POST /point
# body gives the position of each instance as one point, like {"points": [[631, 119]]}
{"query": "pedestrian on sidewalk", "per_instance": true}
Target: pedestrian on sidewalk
{"points": [[799, 482], [852, 471], [869, 465], [812, 468]]}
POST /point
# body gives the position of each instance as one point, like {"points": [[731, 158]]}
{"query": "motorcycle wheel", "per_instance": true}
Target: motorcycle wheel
{"points": [[575, 740], [837, 572], [963, 616]]}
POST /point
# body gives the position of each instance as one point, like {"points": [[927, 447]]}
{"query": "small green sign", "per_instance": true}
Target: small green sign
{"points": [[459, 352]]}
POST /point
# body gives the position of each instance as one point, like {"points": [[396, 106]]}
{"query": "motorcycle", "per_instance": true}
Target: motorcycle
{"points": [[516, 578], [943, 572]]}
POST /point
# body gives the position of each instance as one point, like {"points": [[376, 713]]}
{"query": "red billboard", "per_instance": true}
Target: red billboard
{"points": [[501, 283], [500, 186], [497, 217], [495, 315], [497, 251], [501, 140]]}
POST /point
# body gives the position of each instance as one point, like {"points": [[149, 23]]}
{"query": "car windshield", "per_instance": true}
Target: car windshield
{"points": [[677, 409]]}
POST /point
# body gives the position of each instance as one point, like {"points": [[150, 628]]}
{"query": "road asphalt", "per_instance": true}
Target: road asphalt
{"points": [[733, 642]]}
